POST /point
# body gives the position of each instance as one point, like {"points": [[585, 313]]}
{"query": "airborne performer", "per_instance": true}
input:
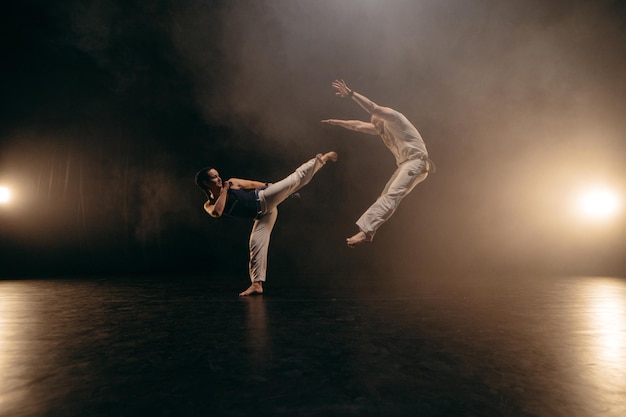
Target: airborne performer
{"points": [[406, 145], [255, 200]]}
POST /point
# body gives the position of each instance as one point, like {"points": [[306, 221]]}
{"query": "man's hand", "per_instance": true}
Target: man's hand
{"points": [[342, 89], [331, 121]]}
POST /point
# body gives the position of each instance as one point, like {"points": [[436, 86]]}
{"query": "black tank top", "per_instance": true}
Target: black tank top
{"points": [[242, 203]]}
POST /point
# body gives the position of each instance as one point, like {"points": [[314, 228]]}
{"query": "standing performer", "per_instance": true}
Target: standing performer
{"points": [[406, 145], [255, 200]]}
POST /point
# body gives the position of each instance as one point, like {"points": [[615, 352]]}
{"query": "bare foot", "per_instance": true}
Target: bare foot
{"points": [[329, 156], [357, 239], [255, 288]]}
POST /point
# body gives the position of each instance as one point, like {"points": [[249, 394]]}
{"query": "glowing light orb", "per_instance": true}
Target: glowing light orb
{"points": [[5, 195], [599, 204]]}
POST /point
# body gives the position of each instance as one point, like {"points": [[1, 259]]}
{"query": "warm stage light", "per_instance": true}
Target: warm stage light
{"points": [[599, 204], [5, 195]]}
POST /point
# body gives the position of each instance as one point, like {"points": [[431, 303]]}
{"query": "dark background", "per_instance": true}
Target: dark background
{"points": [[109, 108]]}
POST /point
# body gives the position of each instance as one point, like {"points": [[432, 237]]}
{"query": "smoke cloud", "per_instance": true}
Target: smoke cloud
{"points": [[514, 99]]}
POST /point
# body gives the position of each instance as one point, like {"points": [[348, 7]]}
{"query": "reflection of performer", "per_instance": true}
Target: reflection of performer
{"points": [[407, 146], [255, 200], [257, 339]]}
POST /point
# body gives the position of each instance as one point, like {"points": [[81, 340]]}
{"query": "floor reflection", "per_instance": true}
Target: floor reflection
{"points": [[606, 317], [603, 335], [18, 345], [256, 329], [478, 346]]}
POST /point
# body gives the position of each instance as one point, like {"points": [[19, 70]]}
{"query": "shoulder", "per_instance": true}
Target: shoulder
{"points": [[401, 121], [396, 115], [389, 115]]}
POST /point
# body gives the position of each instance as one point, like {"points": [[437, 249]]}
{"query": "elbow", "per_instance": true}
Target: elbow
{"points": [[212, 212]]}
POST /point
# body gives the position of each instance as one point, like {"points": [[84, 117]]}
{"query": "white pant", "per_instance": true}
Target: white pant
{"points": [[403, 180], [270, 198]]}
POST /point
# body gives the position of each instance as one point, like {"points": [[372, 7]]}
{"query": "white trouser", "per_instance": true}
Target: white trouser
{"points": [[403, 180], [270, 198]]}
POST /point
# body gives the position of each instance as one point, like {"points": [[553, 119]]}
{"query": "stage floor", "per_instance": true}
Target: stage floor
{"points": [[464, 347]]}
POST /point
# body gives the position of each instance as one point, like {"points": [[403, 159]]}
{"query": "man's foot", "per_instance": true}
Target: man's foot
{"points": [[328, 156], [255, 288], [357, 239]]}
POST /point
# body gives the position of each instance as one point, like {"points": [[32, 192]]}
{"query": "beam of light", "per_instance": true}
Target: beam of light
{"points": [[598, 203], [5, 195]]}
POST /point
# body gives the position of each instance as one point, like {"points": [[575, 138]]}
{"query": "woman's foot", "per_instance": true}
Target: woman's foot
{"points": [[255, 288], [328, 156], [357, 239]]}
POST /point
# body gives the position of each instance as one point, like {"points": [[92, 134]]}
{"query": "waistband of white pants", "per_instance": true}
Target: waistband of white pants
{"points": [[259, 207], [430, 165]]}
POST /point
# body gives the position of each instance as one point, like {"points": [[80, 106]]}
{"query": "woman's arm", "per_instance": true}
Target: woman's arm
{"points": [[216, 208], [356, 125], [241, 184]]}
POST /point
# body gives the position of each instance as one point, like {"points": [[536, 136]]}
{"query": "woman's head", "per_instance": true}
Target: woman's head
{"points": [[208, 179]]}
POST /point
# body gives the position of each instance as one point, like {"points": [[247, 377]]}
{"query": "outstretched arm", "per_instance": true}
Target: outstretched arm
{"points": [[366, 104], [356, 125]]}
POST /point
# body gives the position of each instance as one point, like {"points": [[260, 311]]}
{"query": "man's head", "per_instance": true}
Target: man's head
{"points": [[379, 124]]}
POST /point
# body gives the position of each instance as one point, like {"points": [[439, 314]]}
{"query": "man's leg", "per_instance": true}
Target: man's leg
{"points": [[259, 245], [278, 192], [399, 185]]}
